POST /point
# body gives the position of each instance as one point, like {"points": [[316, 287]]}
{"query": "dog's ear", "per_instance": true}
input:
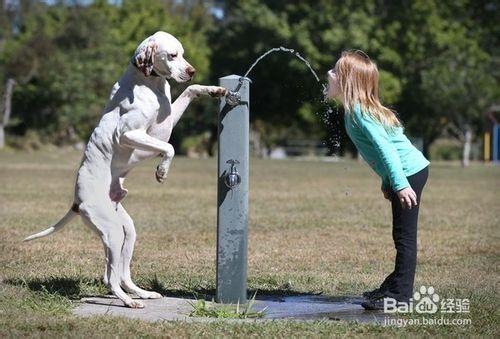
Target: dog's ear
{"points": [[144, 57]]}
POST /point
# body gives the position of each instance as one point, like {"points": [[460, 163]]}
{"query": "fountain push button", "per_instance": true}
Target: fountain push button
{"points": [[233, 98]]}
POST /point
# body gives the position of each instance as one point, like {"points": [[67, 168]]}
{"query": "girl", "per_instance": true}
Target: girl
{"points": [[378, 135]]}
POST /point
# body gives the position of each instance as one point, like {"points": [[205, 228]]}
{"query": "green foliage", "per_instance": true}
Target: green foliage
{"points": [[446, 149], [196, 144], [30, 141], [460, 85], [203, 309], [71, 56], [438, 60], [438, 42], [45, 301]]}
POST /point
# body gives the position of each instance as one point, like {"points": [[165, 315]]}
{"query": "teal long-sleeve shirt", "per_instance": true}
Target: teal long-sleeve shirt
{"points": [[388, 151]]}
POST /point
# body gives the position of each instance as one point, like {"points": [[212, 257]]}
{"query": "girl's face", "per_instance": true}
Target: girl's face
{"points": [[333, 90]]}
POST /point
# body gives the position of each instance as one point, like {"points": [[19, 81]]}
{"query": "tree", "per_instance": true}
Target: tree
{"points": [[22, 69], [65, 57], [461, 87], [7, 102], [286, 98], [76, 53], [435, 39]]}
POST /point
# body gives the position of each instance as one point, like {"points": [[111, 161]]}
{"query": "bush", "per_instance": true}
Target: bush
{"points": [[446, 149], [196, 146], [30, 141]]}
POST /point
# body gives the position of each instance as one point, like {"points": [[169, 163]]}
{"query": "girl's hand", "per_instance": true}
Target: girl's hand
{"points": [[407, 197], [387, 193]]}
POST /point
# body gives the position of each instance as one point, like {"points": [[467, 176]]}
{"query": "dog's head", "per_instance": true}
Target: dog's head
{"points": [[163, 54]]}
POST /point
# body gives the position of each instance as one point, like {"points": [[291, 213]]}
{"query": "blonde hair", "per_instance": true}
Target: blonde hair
{"points": [[358, 79]]}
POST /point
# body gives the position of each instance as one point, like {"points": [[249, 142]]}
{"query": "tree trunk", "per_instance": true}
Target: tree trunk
{"points": [[9, 89], [2, 137], [466, 146], [255, 143], [425, 148]]}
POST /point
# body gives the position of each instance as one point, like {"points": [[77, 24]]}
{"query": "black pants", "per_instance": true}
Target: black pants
{"points": [[399, 284]]}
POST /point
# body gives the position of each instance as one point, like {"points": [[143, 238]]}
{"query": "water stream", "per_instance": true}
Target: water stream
{"points": [[328, 116], [283, 49]]}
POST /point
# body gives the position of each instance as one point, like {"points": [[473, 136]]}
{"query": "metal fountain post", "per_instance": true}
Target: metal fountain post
{"points": [[232, 191]]}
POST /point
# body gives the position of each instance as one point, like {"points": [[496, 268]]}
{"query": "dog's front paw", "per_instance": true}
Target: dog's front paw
{"points": [[161, 173], [135, 304], [216, 91], [154, 295], [213, 91], [148, 295]]}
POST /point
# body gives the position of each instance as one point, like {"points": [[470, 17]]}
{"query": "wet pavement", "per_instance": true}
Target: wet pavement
{"points": [[298, 307], [319, 307]]}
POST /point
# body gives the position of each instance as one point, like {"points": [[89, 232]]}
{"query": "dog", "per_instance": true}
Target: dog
{"points": [[136, 125]]}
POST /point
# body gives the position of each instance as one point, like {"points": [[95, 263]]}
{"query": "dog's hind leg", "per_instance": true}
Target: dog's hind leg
{"points": [[108, 226], [115, 240], [126, 256], [105, 280]]}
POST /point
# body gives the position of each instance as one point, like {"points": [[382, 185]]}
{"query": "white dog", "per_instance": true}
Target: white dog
{"points": [[136, 125]]}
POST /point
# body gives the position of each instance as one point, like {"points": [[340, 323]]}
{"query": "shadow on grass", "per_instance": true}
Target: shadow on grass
{"points": [[72, 288], [77, 288], [279, 294]]}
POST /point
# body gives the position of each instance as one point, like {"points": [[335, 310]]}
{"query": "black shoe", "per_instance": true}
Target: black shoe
{"points": [[375, 294], [374, 304]]}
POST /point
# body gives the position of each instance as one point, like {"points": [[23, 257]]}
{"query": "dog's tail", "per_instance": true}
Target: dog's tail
{"points": [[73, 211]]}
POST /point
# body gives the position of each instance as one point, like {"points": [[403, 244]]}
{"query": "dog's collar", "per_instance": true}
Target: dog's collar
{"points": [[153, 72]]}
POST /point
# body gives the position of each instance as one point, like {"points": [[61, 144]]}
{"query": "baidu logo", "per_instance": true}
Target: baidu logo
{"points": [[425, 300]]}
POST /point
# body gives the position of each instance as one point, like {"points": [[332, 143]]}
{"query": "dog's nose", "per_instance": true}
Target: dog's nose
{"points": [[190, 71]]}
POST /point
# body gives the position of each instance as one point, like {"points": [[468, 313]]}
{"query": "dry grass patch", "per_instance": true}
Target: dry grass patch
{"points": [[314, 227]]}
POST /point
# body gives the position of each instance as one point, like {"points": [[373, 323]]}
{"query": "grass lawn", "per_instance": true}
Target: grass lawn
{"points": [[314, 227]]}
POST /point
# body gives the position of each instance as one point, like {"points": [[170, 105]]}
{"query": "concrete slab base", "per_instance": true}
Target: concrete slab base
{"points": [[289, 307]]}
